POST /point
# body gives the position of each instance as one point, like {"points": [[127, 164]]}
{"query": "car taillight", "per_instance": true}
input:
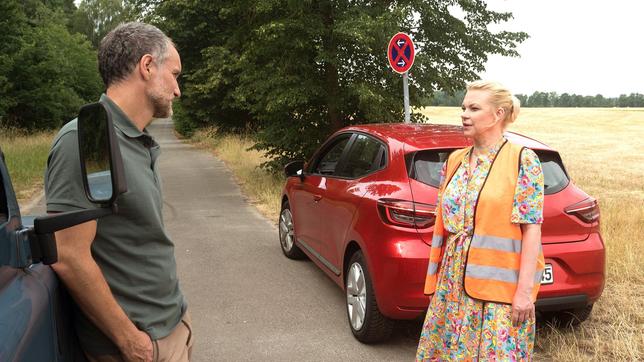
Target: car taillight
{"points": [[586, 210], [407, 213]]}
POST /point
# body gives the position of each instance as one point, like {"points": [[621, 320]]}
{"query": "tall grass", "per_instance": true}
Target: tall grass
{"points": [[26, 158], [603, 150]]}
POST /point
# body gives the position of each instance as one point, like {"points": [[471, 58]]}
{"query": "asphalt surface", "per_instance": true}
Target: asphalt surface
{"points": [[248, 301]]}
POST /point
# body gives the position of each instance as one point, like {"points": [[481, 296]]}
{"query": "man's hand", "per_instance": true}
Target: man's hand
{"points": [[137, 348]]}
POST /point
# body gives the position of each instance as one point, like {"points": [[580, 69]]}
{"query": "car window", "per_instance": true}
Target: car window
{"points": [[555, 178], [329, 159], [365, 156], [427, 164]]}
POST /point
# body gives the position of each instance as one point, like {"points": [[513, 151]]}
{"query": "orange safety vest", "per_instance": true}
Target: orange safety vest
{"points": [[494, 256]]}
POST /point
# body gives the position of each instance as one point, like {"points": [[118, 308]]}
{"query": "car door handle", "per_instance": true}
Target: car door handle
{"points": [[317, 198]]}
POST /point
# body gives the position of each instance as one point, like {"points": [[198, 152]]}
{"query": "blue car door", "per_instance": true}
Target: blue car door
{"points": [[34, 322]]}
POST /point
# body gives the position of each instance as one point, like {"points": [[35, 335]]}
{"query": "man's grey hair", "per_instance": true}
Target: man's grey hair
{"points": [[122, 48]]}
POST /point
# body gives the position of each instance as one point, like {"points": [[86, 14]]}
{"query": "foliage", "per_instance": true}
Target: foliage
{"points": [[46, 73], [300, 70], [95, 18]]}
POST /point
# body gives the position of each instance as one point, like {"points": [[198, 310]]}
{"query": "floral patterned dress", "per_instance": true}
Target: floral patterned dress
{"points": [[458, 327]]}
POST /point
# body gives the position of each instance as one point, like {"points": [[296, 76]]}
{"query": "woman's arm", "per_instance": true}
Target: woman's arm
{"points": [[522, 305], [527, 210]]}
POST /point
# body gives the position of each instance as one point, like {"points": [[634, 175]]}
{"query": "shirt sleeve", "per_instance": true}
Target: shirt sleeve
{"points": [[64, 188], [527, 207]]}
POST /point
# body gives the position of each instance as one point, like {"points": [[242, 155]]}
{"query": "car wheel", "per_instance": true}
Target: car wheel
{"points": [[287, 234], [367, 323], [569, 317]]}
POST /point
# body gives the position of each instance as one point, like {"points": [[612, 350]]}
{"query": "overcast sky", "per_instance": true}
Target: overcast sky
{"points": [[576, 46]]}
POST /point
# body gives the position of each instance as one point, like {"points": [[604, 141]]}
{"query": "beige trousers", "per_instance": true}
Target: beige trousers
{"points": [[176, 347]]}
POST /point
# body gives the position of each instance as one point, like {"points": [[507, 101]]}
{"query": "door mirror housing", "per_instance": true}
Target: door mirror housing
{"points": [[295, 168], [100, 157]]}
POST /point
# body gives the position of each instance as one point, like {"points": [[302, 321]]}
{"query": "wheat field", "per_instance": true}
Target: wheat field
{"points": [[603, 150]]}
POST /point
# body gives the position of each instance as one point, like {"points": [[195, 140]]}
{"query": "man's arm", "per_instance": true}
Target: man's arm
{"points": [[85, 281]]}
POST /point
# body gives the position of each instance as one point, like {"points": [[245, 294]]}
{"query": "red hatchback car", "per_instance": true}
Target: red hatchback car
{"points": [[362, 208]]}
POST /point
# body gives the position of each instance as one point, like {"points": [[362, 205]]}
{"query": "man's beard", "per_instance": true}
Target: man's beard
{"points": [[161, 107]]}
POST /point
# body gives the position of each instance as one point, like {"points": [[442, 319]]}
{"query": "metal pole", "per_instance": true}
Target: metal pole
{"points": [[406, 96]]}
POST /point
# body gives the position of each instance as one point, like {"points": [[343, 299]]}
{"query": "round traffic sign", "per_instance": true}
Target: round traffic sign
{"points": [[400, 52]]}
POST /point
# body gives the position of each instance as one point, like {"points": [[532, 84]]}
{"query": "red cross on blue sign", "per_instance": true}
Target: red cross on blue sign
{"points": [[401, 53]]}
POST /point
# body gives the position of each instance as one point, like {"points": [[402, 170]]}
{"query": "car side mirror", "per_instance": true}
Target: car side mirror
{"points": [[103, 180], [100, 157], [295, 168]]}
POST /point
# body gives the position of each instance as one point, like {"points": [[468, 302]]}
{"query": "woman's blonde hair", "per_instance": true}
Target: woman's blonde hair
{"points": [[501, 97]]}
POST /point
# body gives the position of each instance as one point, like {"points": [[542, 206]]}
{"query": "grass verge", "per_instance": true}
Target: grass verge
{"points": [[26, 158]]}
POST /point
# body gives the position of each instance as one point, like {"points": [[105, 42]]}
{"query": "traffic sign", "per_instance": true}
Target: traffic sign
{"points": [[401, 53]]}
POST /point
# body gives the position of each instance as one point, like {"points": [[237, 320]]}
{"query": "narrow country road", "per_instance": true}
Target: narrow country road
{"points": [[249, 302]]}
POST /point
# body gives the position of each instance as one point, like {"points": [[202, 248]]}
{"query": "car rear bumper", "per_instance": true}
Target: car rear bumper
{"points": [[559, 303], [400, 279], [578, 270], [578, 267]]}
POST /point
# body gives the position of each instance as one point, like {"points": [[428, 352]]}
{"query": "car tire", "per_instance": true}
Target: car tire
{"points": [[287, 234], [569, 317], [367, 324]]}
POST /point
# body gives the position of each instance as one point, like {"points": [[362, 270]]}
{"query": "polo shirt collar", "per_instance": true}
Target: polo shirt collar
{"points": [[121, 120]]}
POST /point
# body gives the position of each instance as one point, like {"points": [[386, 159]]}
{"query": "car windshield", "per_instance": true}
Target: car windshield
{"points": [[426, 166]]}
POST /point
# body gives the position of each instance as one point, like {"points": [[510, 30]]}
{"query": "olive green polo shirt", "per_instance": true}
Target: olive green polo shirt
{"points": [[132, 247]]}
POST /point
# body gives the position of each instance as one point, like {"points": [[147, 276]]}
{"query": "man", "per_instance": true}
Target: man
{"points": [[121, 269]]}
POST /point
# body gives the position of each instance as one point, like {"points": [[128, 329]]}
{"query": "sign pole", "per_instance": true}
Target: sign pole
{"points": [[406, 96]]}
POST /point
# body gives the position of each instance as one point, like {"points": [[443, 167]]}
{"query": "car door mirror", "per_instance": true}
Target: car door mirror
{"points": [[101, 163], [295, 168]]}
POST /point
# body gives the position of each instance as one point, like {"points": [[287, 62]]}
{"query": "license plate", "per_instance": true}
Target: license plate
{"points": [[548, 276]]}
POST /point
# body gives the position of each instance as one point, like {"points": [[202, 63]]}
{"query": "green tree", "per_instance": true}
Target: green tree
{"points": [[299, 70], [565, 100], [14, 23], [50, 72], [523, 98], [95, 18]]}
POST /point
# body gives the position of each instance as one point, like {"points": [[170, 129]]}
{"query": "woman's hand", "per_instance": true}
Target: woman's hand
{"points": [[522, 308]]}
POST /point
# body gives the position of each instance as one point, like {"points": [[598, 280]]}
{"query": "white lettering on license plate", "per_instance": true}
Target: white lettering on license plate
{"points": [[548, 276]]}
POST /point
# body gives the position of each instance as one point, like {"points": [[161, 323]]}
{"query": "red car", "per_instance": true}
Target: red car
{"points": [[362, 208]]}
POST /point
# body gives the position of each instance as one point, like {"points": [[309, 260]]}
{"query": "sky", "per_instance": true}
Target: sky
{"points": [[586, 47]]}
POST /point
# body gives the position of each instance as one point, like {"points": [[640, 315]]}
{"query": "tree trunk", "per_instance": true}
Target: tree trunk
{"points": [[331, 85]]}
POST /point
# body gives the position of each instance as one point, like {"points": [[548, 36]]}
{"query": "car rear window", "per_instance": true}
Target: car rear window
{"points": [[425, 166], [555, 178]]}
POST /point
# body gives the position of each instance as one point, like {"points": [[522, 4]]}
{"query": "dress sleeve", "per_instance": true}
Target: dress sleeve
{"points": [[527, 207]]}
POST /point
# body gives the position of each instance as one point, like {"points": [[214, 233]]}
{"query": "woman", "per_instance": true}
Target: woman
{"points": [[486, 260]]}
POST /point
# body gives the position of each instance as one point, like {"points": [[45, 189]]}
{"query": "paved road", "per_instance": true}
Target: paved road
{"points": [[248, 301]]}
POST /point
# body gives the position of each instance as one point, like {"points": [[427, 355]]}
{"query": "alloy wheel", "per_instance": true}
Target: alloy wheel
{"points": [[356, 296], [286, 230]]}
